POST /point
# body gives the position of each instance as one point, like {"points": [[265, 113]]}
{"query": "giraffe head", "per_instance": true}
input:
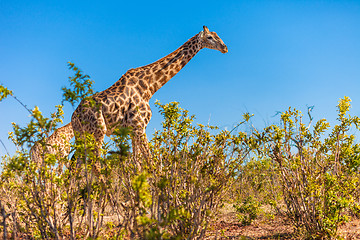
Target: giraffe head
{"points": [[211, 40]]}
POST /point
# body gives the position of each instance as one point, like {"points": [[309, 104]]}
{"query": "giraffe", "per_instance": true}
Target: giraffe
{"points": [[126, 102], [57, 143]]}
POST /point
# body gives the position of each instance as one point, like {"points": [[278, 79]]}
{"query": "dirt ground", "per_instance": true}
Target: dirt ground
{"points": [[228, 227]]}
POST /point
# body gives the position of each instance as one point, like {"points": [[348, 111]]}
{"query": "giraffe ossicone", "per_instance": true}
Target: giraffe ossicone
{"points": [[126, 102]]}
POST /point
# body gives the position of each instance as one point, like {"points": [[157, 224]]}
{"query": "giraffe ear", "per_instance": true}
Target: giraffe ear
{"points": [[206, 30]]}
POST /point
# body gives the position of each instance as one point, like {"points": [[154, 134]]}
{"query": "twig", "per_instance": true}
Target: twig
{"points": [[2, 143], [22, 104], [4, 215]]}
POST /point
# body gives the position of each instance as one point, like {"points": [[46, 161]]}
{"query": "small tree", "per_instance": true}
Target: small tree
{"points": [[318, 173], [171, 195], [176, 193]]}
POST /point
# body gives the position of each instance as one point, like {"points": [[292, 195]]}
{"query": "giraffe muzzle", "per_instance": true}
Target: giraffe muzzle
{"points": [[224, 49]]}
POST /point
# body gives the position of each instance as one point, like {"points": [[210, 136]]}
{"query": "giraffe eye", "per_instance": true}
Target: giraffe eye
{"points": [[209, 37]]}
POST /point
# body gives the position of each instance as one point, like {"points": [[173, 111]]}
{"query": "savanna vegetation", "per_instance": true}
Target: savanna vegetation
{"points": [[304, 171]]}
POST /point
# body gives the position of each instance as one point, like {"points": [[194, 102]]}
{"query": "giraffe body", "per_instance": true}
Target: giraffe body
{"points": [[126, 102]]}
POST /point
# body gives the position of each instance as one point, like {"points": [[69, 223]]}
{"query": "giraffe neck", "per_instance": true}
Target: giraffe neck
{"points": [[167, 67]]}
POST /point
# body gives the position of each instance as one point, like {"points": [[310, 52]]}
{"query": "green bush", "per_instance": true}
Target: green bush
{"points": [[310, 174], [181, 187], [171, 195], [318, 169], [248, 210]]}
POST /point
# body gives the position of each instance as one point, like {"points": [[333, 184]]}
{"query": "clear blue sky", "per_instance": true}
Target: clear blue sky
{"points": [[281, 54]]}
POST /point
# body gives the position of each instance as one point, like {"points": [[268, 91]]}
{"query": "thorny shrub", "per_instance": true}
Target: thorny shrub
{"points": [[318, 170], [172, 195], [308, 174]]}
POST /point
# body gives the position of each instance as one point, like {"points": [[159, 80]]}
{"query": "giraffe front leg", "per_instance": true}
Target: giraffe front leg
{"points": [[140, 117], [141, 145], [90, 129], [141, 151]]}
